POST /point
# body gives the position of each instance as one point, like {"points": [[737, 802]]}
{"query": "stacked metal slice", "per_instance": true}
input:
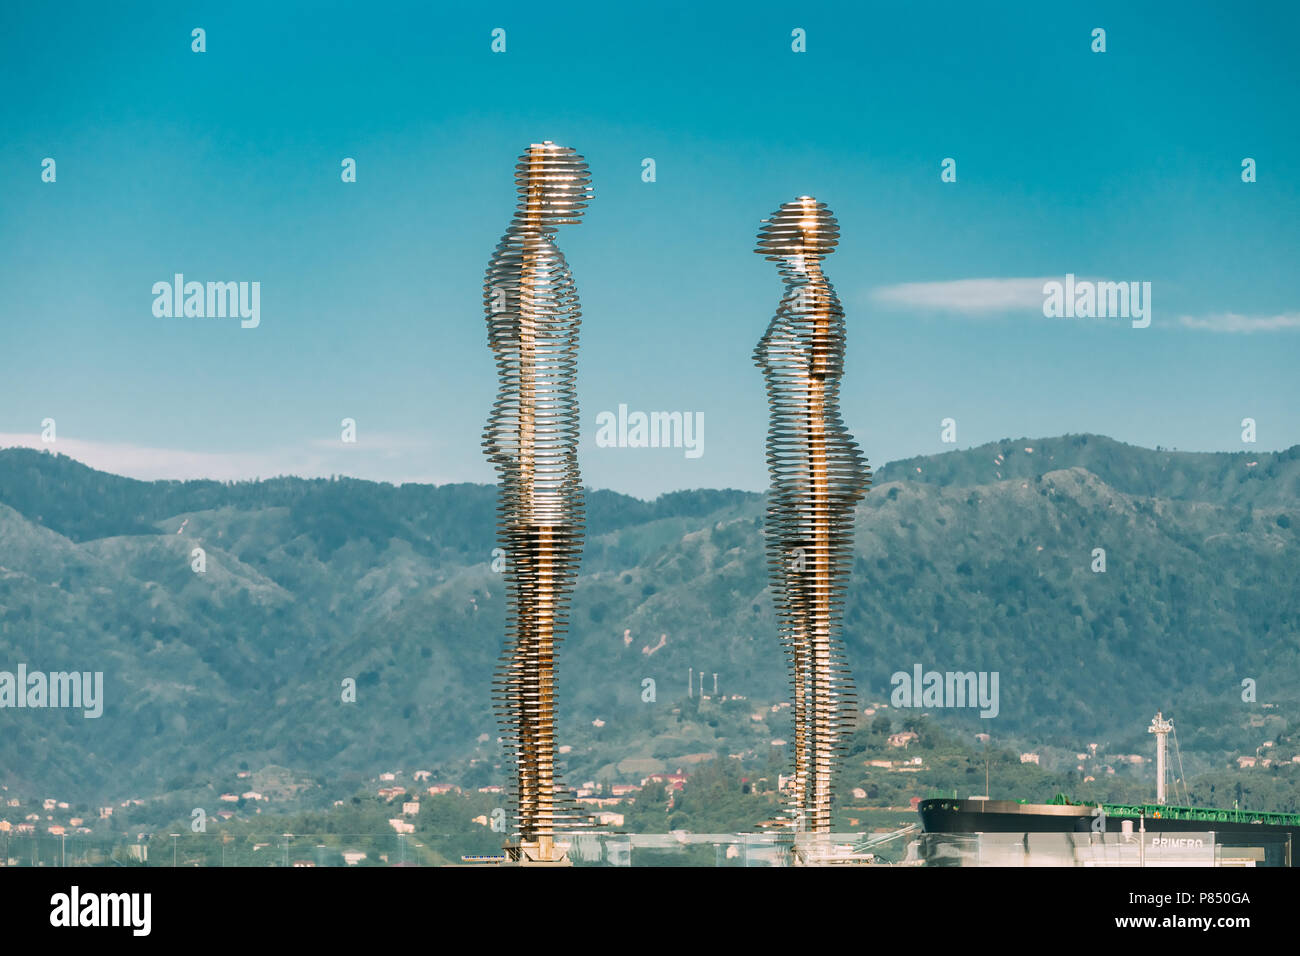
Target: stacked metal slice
{"points": [[532, 438], [818, 476]]}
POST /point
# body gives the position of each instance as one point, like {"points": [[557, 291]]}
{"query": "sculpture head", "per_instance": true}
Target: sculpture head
{"points": [[798, 234], [554, 186]]}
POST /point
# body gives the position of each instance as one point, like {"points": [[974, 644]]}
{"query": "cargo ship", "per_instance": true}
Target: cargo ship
{"points": [[978, 831]]}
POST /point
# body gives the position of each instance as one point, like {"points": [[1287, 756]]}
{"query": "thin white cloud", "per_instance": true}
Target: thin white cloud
{"points": [[1232, 322], [967, 296], [980, 296], [309, 460]]}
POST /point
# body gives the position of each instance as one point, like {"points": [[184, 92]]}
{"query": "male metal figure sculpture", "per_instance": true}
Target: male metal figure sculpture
{"points": [[532, 439]]}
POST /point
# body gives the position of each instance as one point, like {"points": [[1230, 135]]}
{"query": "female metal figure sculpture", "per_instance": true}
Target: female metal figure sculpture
{"points": [[818, 476], [532, 439]]}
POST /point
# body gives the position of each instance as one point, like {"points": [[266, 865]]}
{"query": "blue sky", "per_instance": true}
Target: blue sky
{"points": [[1123, 165]]}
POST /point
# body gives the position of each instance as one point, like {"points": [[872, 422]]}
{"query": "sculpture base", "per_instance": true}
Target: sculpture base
{"points": [[532, 854]]}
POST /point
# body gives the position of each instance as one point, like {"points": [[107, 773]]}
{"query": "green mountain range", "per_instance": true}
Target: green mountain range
{"points": [[974, 560]]}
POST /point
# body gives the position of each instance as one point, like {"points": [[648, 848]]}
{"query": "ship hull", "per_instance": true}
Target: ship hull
{"points": [[946, 817]]}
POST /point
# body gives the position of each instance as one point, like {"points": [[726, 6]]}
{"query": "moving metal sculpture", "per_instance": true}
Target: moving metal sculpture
{"points": [[532, 438], [818, 476]]}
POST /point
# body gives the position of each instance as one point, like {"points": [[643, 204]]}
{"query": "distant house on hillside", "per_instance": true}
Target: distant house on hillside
{"points": [[673, 781], [1029, 758]]}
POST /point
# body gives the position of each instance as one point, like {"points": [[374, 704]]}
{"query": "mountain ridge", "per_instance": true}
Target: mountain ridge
{"points": [[969, 564]]}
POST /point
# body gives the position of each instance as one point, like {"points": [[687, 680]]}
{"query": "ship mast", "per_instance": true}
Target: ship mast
{"points": [[1160, 727]]}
